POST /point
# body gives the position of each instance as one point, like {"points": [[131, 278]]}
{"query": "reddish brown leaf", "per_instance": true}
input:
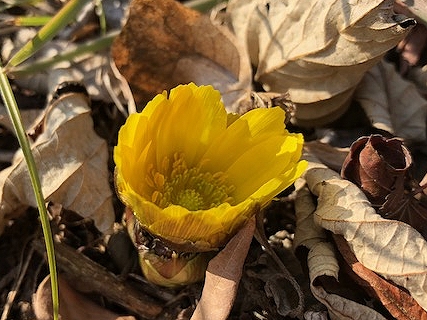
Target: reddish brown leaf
{"points": [[398, 301], [379, 166], [376, 164], [164, 43]]}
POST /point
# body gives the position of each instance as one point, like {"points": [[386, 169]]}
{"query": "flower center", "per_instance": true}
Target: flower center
{"points": [[190, 199], [176, 184]]}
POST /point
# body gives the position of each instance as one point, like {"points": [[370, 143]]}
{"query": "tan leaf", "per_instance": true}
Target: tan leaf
{"points": [[223, 277], [164, 44], [307, 233], [72, 164], [390, 248], [316, 50], [397, 301], [322, 262], [392, 103], [72, 305]]}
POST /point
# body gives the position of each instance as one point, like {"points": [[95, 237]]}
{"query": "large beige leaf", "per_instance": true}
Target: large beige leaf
{"points": [[392, 103], [72, 164], [390, 248], [322, 262], [316, 50], [398, 302], [164, 44]]}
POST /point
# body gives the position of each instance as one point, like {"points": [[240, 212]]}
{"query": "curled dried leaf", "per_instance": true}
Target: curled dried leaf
{"points": [[379, 166], [316, 50]]}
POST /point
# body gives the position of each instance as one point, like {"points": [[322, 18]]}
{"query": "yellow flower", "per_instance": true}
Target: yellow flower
{"points": [[193, 175]]}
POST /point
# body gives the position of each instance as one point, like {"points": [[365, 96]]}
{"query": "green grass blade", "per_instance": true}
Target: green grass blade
{"points": [[48, 31], [24, 21], [43, 64], [99, 9], [15, 116]]}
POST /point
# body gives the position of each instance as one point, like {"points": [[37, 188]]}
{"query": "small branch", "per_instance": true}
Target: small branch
{"points": [[82, 272]]}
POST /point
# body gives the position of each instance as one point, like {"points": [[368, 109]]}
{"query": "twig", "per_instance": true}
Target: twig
{"points": [[81, 272]]}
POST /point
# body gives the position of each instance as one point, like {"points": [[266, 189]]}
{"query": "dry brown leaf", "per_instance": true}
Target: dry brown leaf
{"points": [[316, 50], [164, 44], [223, 277], [390, 248], [72, 305], [397, 301], [411, 48], [324, 266], [72, 164], [412, 8], [321, 260], [392, 103], [284, 305]]}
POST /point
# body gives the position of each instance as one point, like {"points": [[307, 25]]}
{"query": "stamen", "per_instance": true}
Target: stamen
{"points": [[159, 180], [188, 187], [190, 199]]}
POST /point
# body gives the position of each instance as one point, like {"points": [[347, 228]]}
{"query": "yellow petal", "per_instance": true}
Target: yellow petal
{"points": [[263, 162], [250, 129], [202, 230], [189, 120], [270, 189]]}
